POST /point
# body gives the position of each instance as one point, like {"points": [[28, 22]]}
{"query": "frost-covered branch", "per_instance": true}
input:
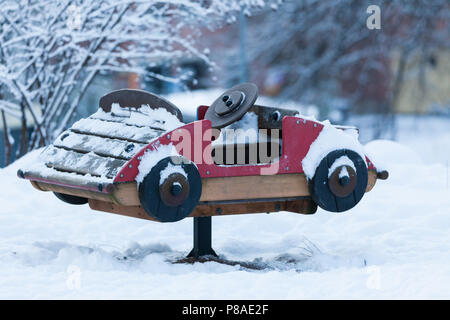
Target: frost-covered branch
{"points": [[51, 50]]}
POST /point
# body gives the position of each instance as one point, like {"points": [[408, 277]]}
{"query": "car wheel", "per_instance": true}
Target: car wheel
{"points": [[70, 199], [171, 190], [340, 181]]}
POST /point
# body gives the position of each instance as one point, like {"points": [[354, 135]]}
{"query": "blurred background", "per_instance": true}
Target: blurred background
{"points": [[383, 66]]}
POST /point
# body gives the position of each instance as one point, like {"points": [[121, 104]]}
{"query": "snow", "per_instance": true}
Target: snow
{"points": [[343, 173], [177, 184], [151, 158], [385, 153], [167, 171], [144, 116], [393, 245], [122, 123], [112, 129], [244, 130], [353, 131], [36, 160], [329, 139], [101, 145], [341, 161]]}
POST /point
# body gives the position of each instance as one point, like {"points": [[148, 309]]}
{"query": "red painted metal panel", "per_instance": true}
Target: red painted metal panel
{"points": [[187, 140], [193, 141], [370, 165], [298, 135], [201, 111]]}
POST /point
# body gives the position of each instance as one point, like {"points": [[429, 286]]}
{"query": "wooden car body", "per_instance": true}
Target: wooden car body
{"points": [[280, 185]]}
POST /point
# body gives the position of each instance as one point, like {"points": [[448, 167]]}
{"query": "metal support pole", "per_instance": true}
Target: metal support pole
{"points": [[202, 238]]}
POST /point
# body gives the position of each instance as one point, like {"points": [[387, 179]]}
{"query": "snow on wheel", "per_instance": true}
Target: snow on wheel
{"points": [[171, 190], [340, 181]]}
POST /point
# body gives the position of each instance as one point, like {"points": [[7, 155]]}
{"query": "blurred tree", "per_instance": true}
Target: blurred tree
{"points": [[51, 50], [322, 52]]}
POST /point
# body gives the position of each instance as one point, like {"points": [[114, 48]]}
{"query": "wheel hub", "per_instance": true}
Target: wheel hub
{"points": [[174, 190], [342, 185]]}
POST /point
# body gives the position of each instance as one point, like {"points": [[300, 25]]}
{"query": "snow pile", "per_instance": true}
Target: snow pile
{"points": [[353, 131], [329, 139], [341, 161], [151, 158], [384, 153], [167, 171]]}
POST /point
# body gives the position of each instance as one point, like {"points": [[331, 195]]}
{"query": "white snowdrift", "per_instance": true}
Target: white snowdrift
{"points": [[384, 153], [393, 245]]}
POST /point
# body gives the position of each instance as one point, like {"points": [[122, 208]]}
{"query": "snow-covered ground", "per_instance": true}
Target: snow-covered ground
{"points": [[394, 244]]}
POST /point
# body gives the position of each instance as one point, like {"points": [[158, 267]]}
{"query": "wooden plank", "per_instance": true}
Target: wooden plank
{"points": [[254, 187], [125, 117], [126, 194], [68, 179], [372, 179], [88, 163], [130, 211], [105, 147], [238, 188], [232, 188], [72, 191], [115, 130], [36, 186], [305, 206]]}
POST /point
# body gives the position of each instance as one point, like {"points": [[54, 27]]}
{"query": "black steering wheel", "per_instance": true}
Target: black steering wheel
{"points": [[232, 105]]}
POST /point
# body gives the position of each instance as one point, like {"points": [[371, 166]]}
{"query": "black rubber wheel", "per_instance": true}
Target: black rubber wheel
{"points": [[332, 194], [174, 198], [67, 198]]}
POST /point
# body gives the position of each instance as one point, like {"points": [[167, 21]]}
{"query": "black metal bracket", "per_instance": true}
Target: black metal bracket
{"points": [[202, 238]]}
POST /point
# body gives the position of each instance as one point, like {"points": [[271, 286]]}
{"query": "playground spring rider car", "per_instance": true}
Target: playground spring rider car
{"points": [[124, 159]]}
